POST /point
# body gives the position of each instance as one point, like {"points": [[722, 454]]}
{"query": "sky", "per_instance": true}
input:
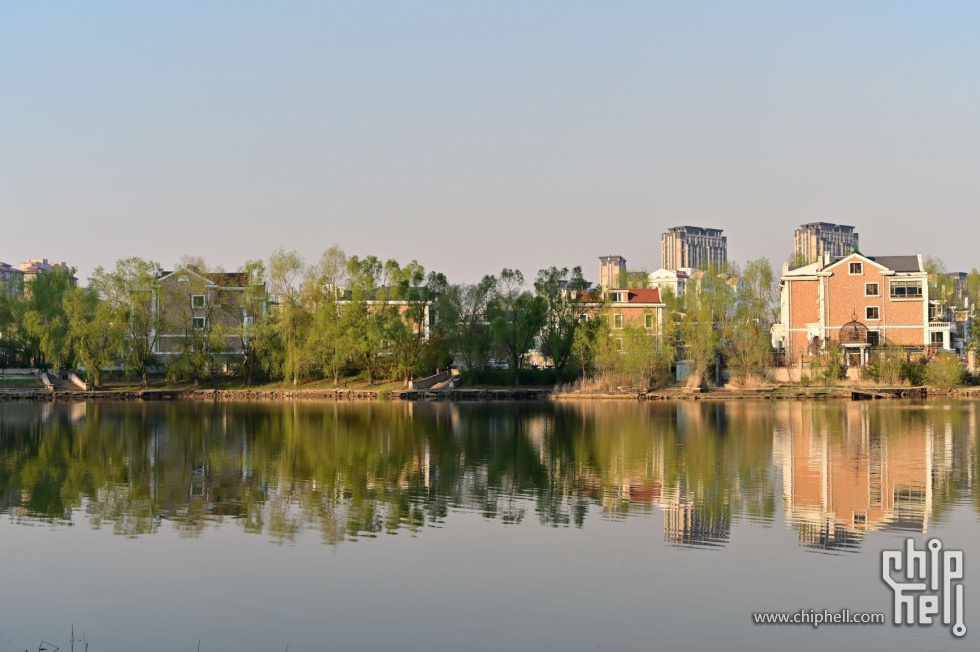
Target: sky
{"points": [[477, 136]]}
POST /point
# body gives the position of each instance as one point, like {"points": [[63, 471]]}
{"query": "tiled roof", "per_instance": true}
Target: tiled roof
{"points": [[898, 263], [639, 295], [223, 279]]}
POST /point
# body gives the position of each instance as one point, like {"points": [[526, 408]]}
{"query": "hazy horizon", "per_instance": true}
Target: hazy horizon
{"points": [[477, 137]]}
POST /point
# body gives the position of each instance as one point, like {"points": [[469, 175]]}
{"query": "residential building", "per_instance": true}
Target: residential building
{"points": [[693, 246], [862, 303], [34, 266], [813, 240], [612, 271], [669, 279], [633, 307], [11, 279], [193, 306]]}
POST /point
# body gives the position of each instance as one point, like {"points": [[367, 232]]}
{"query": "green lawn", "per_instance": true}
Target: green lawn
{"points": [[21, 382], [239, 383]]}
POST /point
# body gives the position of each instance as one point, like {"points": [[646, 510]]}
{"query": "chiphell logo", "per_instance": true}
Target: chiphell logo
{"points": [[930, 578]]}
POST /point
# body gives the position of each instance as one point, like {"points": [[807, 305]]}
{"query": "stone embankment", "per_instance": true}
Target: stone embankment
{"points": [[509, 394], [515, 394], [194, 395]]}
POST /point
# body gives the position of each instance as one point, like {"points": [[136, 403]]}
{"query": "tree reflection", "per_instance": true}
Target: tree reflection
{"points": [[353, 471]]}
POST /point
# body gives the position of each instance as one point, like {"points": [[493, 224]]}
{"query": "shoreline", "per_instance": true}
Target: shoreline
{"points": [[490, 395]]}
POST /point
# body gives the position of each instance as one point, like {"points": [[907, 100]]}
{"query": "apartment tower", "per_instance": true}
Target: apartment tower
{"points": [[693, 246], [811, 241], [611, 271]]}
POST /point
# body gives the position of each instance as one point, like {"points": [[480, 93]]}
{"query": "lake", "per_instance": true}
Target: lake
{"points": [[432, 526]]}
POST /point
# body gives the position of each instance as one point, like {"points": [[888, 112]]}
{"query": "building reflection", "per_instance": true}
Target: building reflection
{"points": [[859, 469], [839, 470]]}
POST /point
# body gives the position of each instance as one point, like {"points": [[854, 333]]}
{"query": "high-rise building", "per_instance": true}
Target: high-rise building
{"points": [[34, 266], [811, 241], [693, 246], [611, 271]]}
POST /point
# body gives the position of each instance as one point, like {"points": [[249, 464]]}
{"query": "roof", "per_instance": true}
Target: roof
{"points": [[639, 295], [898, 263], [221, 279]]}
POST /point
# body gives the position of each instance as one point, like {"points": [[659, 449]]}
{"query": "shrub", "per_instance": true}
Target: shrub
{"points": [[944, 372], [914, 371], [506, 377]]}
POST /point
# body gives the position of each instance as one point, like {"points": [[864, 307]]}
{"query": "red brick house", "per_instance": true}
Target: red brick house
{"points": [[861, 302]]}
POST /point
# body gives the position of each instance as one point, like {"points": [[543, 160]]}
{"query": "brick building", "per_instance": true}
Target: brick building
{"points": [[860, 302]]}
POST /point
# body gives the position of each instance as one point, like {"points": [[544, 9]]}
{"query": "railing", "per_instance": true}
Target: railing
{"points": [[940, 324], [73, 377]]}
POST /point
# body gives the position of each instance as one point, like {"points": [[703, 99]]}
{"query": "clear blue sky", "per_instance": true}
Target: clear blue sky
{"points": [[474, 136]]}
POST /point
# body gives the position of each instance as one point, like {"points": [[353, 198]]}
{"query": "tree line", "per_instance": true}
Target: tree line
{"points": [[344, 317]]}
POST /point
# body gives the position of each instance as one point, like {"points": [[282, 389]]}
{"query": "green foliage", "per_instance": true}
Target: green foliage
{"points": [[463, 330], [96, 330], [944, 372], [516, 318], [564, 299], [493, 377], [885, 367], [914, 371], [746, 340], [827, 367], [706, 309]]}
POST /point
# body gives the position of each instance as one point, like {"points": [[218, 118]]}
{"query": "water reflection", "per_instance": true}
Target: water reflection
{"points": [[834, 471]]}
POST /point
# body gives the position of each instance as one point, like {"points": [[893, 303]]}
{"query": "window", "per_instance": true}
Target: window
{"points": [[197, 301], [936, 338], [618, 344], [199, 323], [648, 321], [870, 289], [617, 321], [855, 269], [906, 289], [871, 313]]}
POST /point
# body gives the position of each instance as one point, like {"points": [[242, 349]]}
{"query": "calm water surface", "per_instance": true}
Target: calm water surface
{"points": [[522, 526]]}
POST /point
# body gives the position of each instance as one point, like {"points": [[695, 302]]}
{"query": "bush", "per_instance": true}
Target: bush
{"points": [[505, 378], [885, 368], [914, 371], [944, 372]]}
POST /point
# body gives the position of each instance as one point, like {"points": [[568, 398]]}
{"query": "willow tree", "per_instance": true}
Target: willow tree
{"points": [[747, 342], [287, 272], [131, 289], [96, 331]]}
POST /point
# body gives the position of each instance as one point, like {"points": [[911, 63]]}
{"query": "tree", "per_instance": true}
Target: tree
{"points": [[565, 300], [410, 342], [287, 271], [131, 289], [96, 329], [705, 309], [747, 343], [43, 318], [942, 287], [254, 332], [516, 317], [373, 286], [797, 259], [639, 278], [464, 322]]}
